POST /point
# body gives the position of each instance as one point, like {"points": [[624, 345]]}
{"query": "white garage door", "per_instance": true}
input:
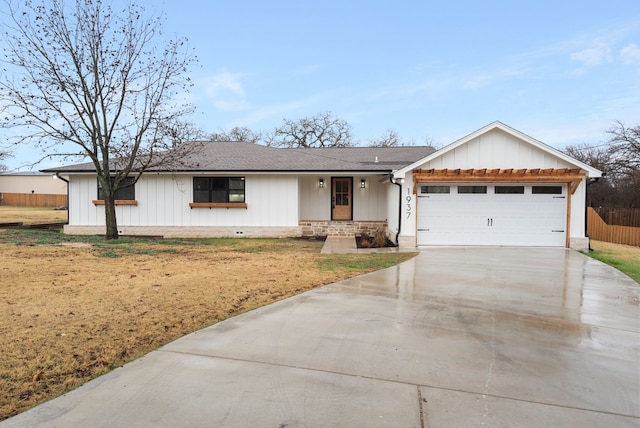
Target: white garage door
{"points": [[492, 214]]}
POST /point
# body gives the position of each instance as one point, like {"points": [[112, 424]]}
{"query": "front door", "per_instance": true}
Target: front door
{"points": [[341, 198]]}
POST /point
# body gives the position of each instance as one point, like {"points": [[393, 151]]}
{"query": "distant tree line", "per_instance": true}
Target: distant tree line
{"points": [[321, 130], [619, 159]]}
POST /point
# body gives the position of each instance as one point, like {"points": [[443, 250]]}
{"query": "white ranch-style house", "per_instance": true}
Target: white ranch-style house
{"points": [[496, 186]]}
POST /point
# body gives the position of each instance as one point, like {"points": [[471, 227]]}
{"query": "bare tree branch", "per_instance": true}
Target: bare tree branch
{"points": [[624, 146], [618, 158], [389, 139], [321, 130], [237, 133]]}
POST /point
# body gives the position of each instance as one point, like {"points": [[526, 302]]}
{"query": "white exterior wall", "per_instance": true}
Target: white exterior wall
{"points": [[315, 203], [163, 200], [369, 204], [38, 184], [577, 237], [409, 214], [392, 209]]}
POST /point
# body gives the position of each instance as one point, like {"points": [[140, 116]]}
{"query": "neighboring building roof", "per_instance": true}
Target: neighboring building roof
{"points": [[24, 173], [243, 156]]}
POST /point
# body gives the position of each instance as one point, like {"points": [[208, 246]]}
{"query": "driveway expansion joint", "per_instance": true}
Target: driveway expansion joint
{"points": [[379, 379]]}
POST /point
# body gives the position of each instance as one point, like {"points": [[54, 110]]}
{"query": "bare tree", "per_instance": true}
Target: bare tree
{"points": [[237, 133], [602, 192], [85, 80], [619, 159], [598, 156], [321, 130], [624, 146], [389, 139], [3, 155], [428, 141], [180, 132]]}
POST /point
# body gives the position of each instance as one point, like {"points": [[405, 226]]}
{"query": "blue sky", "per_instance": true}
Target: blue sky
{"points": [[560, 71]]}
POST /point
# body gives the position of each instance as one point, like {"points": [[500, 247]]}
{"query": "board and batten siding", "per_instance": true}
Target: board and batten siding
{"points": [[163, 200], [369, 204], [496, 149]]}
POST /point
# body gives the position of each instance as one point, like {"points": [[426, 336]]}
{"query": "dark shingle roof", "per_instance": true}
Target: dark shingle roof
{"points": [[243, 156]]}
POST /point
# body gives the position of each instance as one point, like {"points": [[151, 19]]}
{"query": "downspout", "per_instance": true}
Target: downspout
{"points": [[393, 180], [57, 176]]}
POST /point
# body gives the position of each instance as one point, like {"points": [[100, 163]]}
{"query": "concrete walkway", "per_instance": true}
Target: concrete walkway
{"points": [[456, 337], [347, 245]]}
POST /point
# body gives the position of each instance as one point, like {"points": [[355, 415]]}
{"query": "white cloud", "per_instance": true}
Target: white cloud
{"points": [[630, 54], [226, 92], [597, 54]]}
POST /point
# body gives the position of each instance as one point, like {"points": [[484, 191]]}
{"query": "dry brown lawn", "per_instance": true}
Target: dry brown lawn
{"points": [[74, 308], [30, 215], [624, 252]]}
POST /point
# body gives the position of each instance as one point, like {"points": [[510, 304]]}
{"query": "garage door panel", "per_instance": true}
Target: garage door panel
{"points": [[492, 219]]}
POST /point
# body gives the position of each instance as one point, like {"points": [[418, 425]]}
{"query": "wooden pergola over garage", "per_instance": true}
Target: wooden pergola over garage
{"points": [[572, 177]]}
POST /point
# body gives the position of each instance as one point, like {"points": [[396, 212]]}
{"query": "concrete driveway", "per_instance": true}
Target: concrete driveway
{"points": [[456, 337]]}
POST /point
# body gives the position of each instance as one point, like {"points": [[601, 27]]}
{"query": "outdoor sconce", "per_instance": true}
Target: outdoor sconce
{"points": [[321, 183], [363, 183]]}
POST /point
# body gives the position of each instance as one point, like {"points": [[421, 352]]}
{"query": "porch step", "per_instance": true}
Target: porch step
{"points": [[344, 228], [339, 245]]}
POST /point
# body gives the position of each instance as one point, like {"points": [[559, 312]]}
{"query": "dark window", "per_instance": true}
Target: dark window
{"points": [[218, 189], [546, 190], [126, 192], [509, 190], [434, 189], [472, 189]]}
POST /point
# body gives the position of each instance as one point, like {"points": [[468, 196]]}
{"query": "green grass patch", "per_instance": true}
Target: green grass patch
{"points": [[368, 262], [628, 267], [110, 254], [147, 246]]}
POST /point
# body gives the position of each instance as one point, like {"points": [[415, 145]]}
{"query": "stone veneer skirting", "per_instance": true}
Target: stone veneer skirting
{"points": [[305, 228], [192, 231], [341, 228]]}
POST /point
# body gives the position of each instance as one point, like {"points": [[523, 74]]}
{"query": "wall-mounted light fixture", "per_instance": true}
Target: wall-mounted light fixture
{"points": [[321, 183], [363, 183]]}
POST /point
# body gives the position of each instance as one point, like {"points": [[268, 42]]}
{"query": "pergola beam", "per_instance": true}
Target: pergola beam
{"points": [[573, 177]]}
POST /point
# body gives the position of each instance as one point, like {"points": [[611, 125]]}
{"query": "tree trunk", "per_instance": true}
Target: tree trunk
{"points": [[110, 216]]}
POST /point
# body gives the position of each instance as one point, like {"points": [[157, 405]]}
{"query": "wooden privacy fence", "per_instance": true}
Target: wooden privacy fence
{"points": [[619, 216], [601, 231], [33, 200]]}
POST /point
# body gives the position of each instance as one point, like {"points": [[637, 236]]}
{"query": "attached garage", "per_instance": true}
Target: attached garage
{"points": [[496, 186], [492, 214]]}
